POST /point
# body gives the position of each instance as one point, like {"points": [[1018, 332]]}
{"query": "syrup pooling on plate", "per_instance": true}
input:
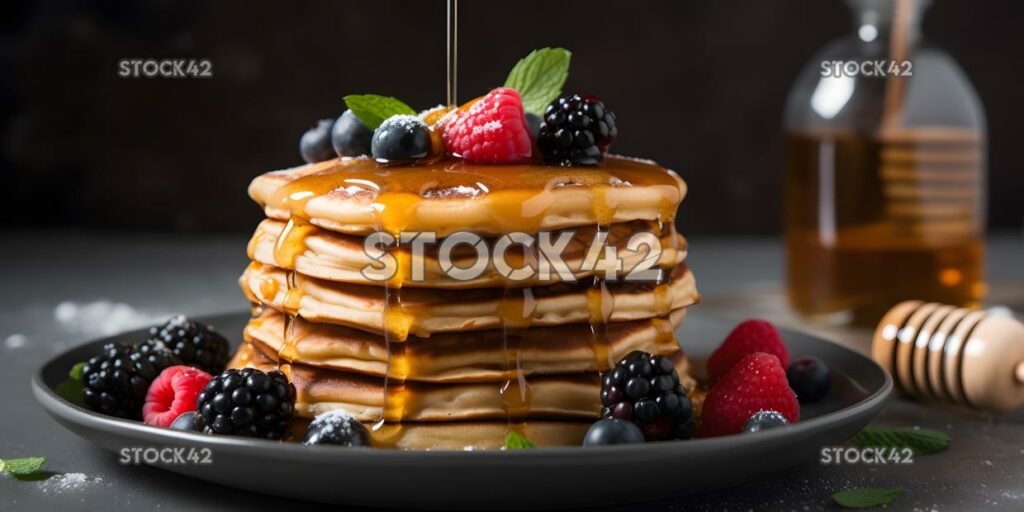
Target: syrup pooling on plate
{"points": [[517, 195]]}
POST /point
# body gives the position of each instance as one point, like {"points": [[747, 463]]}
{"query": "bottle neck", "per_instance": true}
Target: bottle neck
{"points": [[874, 21]]}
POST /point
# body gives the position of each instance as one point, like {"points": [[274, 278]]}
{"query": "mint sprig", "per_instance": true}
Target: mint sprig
{"points": [[922, 442], [867, 497], [517, 441], [22, 467], [539, 77], [76, 371], [372, 109], [72, 389]]}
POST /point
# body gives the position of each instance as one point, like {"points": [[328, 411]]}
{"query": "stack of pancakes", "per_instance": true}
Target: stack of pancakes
{"points": [[429, 357]]}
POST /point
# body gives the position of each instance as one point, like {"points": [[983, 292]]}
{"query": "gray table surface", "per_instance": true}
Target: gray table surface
{"points": [[62, 289]]}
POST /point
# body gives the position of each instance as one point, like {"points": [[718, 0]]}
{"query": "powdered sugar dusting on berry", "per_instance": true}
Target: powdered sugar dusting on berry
{"points": [[489, 126], [330, 424], [492, 130], [405, 122]]}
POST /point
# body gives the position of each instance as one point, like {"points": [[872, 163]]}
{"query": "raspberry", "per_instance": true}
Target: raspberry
{"points": [[172, 394], [748, 337], [492, 130], [757, 383]]}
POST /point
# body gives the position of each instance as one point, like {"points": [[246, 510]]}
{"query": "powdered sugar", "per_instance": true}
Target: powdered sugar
{"points": [[15, 341], [335, 424], [489, 126], [102, 317], [424, 113], [403, 122], [66, 482]]}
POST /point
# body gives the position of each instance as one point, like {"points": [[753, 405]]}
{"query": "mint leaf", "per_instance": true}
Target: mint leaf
{"points": [[372, 109], [23, 467], [866, 498], [516, 441], [35, 477], [76, 371], [922, 442], [71, 390], [539, 77]]}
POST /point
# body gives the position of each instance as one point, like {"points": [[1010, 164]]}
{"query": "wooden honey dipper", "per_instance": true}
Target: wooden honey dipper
{"points": [[950, 354]]}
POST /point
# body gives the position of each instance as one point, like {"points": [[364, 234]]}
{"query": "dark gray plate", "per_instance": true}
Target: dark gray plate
{"points": [[537, 478]]}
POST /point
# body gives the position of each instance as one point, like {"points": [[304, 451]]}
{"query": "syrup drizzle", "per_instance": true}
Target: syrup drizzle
{"points": [[452, 47], [517, 309], [396, 367], [514, 197], [516, 204], [600, 307]]}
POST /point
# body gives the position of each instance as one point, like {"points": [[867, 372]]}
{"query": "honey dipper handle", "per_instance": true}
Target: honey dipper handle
{"points": [[1020, 372]]}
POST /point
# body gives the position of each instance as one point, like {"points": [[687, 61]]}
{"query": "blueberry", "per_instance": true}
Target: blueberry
{"points": [[315, 144], [400, 138], [337, 428], [764, 420], [613, 431], [350, 137], [810, 379], [186, 421]]}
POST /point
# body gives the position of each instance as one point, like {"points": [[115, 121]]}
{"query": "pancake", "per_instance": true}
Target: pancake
{"points": [[572, 396], [423, 312], [359, 197], [464, 435], [481, 356], [324, 254]]}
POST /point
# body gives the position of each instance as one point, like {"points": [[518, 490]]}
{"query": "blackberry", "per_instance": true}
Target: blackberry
{"points": [[246, 402], [577, 130], [116, 380], [196, 344], [645, 389]]}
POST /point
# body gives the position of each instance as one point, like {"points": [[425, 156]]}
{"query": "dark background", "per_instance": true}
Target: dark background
{"points": [[698, 85]]}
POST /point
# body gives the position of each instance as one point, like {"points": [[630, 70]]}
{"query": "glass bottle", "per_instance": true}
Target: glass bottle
{"points": [[885, 173]]}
